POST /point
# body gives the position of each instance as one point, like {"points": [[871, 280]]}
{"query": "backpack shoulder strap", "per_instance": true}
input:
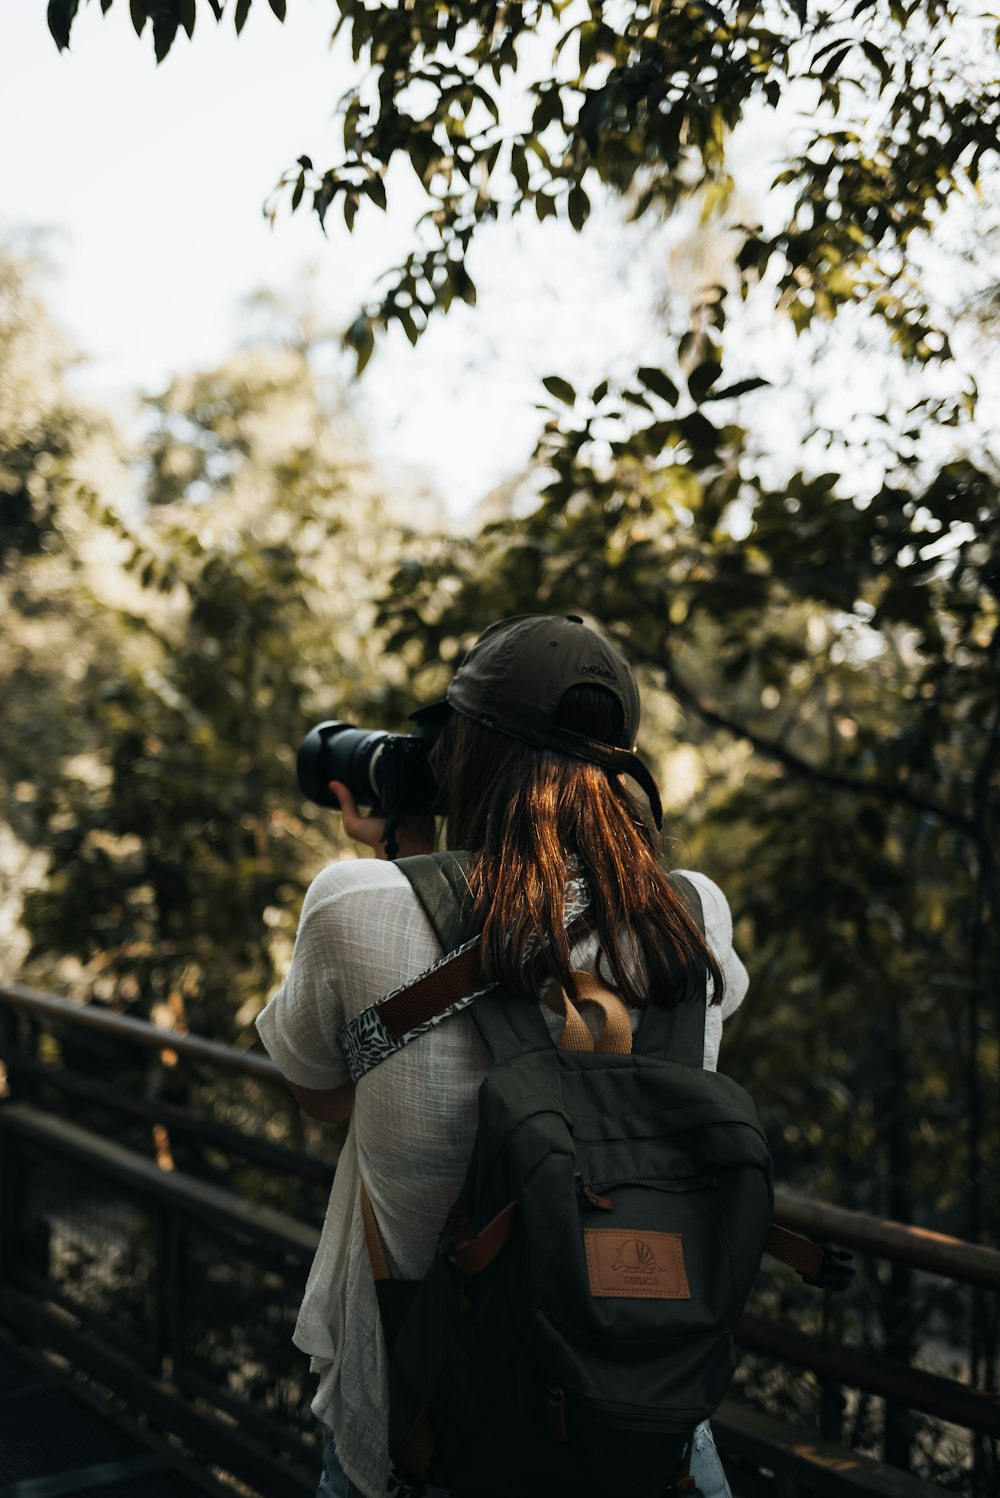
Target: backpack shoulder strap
{"points": [[678, 1034], [508, 1024], [440, 883]]}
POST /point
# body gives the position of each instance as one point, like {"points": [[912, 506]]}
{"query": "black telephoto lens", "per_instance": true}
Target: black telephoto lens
{"points": [[339, 751]]}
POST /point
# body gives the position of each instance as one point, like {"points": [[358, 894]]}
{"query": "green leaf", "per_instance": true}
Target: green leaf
{"points": [[164, 30], [600, 391], [702, 379], [279, 7], [838, 41], [698, 432], [578, 207], [186, 8], [560, 388], [365, 350], [139, 17], [877, 58], [462, 282], [361, 338], [636, 398], [299, 189], [519, 167], [405, 318], [588, 44], [60, 16], [546, 110], [242, 11], [741, 387], [832, 63], [375, 188], [660, 384]]}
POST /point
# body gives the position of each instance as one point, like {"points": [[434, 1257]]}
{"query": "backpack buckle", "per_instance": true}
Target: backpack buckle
{"points": [[837, 1269], [449, 1253], [682, 1484], [456, 1273]]}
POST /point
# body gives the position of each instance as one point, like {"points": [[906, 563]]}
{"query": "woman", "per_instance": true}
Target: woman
{"points": [[536, 735]]}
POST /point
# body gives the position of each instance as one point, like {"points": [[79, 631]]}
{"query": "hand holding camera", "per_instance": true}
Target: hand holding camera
{"points": [[413, 834], [387, 773]]}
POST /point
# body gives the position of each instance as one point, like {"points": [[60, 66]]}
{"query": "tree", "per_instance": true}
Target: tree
{"points": [[641, 99], [53, 628], [243, 611]]}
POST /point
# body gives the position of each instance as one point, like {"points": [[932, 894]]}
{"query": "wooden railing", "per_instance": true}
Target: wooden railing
{"points": [[45, 1306]]}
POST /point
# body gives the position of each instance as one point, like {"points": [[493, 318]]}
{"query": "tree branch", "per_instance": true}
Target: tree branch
{"points": [[882, 790]]}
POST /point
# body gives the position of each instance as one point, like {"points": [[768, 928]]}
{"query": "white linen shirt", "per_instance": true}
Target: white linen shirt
{"points": [[363, 933]]}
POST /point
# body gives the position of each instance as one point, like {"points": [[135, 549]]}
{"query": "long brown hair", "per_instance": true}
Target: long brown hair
{"points": [[523, 813]]}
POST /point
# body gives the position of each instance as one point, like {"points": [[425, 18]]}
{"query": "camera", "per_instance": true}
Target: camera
{"points": [[385, 771]]}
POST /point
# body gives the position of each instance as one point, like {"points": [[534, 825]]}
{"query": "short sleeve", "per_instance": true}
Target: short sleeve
{"points": [[719, 935], [299, 1026]]}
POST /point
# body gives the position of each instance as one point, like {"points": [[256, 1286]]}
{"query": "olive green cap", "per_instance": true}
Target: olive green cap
{"points": [[514, 678]]}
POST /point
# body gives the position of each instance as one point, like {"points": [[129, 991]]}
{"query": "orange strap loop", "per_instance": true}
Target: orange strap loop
{"points": [[616, 1034]]}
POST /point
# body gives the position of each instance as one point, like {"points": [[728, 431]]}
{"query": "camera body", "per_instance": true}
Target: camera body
{"points": [[387, 772]]}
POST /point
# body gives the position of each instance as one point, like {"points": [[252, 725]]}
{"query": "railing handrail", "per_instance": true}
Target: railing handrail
{"points": [[212, 1204], [861, 1368], [872, 1372], [139, 1032], [897, 1242]]}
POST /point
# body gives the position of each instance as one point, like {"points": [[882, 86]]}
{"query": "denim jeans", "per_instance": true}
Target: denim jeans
{"points": [[706, 1469]]}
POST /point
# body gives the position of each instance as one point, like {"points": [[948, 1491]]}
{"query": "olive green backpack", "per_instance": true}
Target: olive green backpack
{"points": [[577, 1321]]}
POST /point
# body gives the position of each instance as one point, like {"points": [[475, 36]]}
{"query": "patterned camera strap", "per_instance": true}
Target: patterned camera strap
{"points": [[448, 986], [453, 983]]}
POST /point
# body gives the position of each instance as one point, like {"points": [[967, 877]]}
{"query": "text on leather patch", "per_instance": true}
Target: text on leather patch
{"points": [[647, 1266]]}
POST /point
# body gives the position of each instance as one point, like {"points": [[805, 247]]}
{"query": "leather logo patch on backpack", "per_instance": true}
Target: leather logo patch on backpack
{"points": [[644, 1266]]}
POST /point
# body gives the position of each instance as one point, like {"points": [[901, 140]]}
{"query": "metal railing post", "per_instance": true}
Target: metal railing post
{"points": [[831, 1393]]}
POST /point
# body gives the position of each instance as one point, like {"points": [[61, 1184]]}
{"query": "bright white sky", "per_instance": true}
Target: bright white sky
{"points": [[153, 179]]}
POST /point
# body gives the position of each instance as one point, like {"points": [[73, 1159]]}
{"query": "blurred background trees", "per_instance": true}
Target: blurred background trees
{"points": [[173, 637]]}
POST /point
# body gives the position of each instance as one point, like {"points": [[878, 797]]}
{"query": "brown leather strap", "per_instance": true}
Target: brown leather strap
{"points": [[373, 1237], [416, 1449], [555, 1415], [432, 993], [475, 1253], [683, 1482], [463, 974], [795, 1251]]}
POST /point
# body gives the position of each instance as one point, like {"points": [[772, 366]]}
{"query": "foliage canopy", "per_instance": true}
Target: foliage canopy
{"points": [[892, 108]]}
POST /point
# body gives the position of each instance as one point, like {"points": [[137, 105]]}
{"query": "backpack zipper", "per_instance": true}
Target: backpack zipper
{"points": [[593, 1199], [634, 1417]]}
